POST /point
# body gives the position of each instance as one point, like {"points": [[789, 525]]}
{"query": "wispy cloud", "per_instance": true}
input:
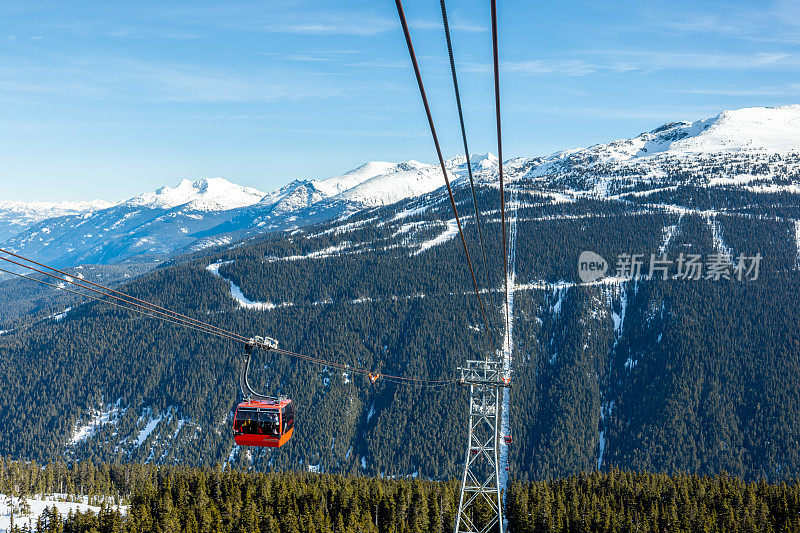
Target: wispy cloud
{"points": [[617, 113], [109, 78], [790, 90], [776, 21], [361, 26], [661, 60], [316, 56], [565, 67], [358, 26], [589, 62], [455, 25]]}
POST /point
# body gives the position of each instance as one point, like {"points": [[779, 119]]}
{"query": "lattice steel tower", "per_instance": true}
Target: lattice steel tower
{"points": [[481, 480]]}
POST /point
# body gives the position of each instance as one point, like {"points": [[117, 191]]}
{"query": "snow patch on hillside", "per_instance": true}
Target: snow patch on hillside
{"points": [[773, 188], [669, 233], [717, 240], [208, 242], [331, 251], [238, 295], [37, 506], [99, 417], [450, 232], [58, 317], [148, 428], [797, 240], [411, 212]]}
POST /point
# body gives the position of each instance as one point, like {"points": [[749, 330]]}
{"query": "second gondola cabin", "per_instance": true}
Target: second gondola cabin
{"points": [[267, 423]]}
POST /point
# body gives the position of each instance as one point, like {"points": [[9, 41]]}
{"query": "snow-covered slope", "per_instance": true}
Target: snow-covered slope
{"points": [[402, 181], [62, 502], [737, 146], [773, 130], [764, 129], [354, 178], [16, 217]]}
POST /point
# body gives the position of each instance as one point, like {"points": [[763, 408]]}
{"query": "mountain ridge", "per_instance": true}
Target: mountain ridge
{"points": [[212, 211]]}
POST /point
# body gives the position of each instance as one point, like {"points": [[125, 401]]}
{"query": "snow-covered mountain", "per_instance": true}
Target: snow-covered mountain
{"points": [[16, 217], [153, 223], [754, 148], [749, 147], [206, 194], [770, 130], [373, 184]]}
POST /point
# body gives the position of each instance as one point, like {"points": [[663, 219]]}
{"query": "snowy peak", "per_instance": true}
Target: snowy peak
{"points": [[206, 194], [295, 195], [371, 184], [763, 129], [485, 161], [478, 162], [349, 180]]}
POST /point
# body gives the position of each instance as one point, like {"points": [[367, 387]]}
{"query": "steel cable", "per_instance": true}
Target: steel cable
{"points": [[466, 147], [110, 290], [413, 56], [496, 65], [70, 279], [107, 302]]}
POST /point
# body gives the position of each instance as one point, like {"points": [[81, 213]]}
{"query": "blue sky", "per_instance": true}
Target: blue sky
{"points": [[109, 99]]}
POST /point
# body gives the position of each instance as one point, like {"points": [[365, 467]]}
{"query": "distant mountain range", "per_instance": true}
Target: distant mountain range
{"points": [[194, 215], [16, 217], [211, 211]]}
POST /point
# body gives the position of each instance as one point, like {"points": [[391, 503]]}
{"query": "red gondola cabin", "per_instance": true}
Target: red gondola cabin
{"points": [[264, 423]]}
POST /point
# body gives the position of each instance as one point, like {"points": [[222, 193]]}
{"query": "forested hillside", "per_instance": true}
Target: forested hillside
{"points": [[669, 372]]}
